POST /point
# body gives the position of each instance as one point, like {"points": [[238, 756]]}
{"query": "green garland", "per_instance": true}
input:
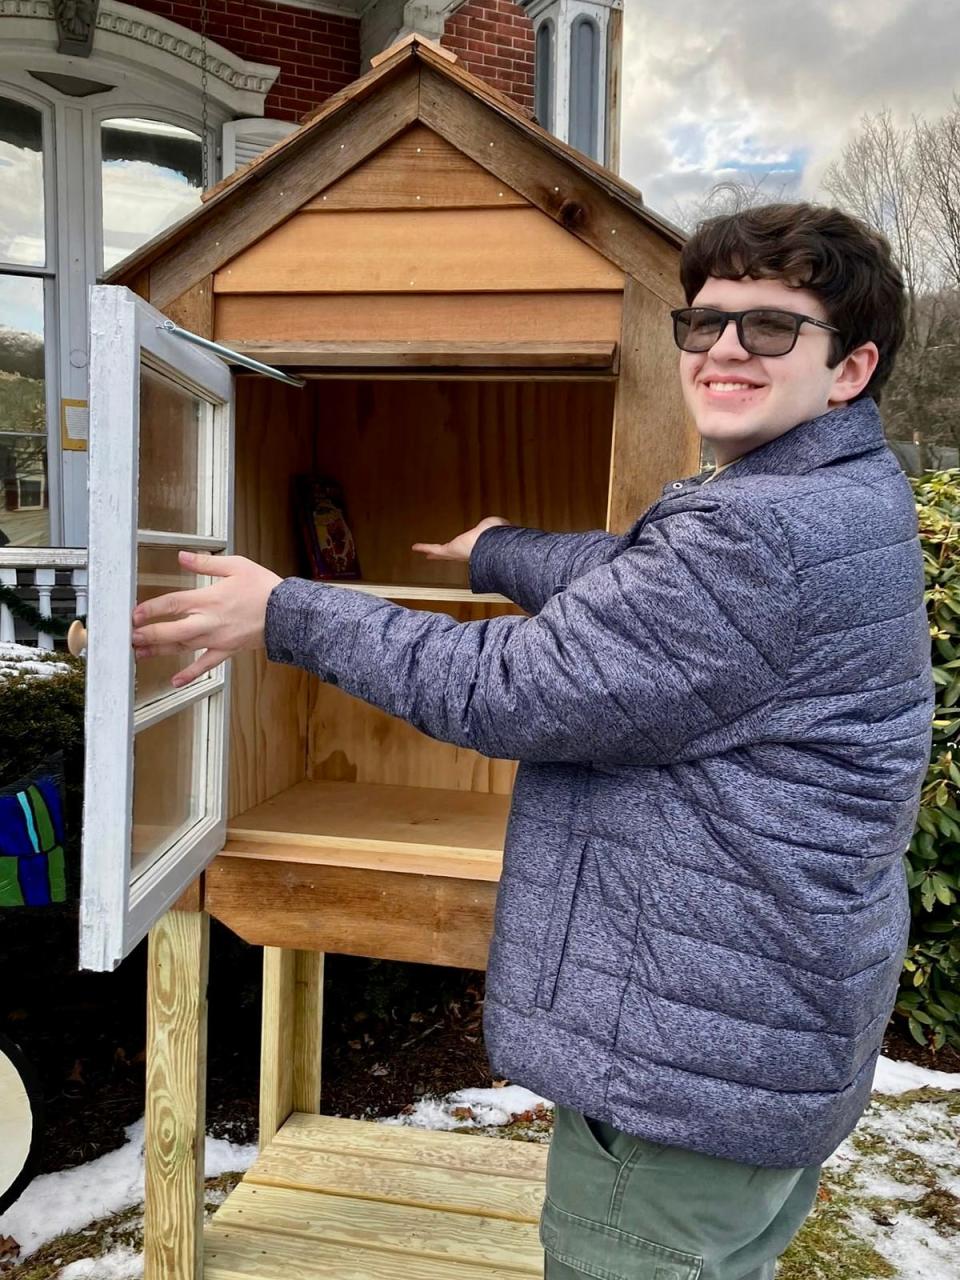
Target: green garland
{"points": [[33, 617]]}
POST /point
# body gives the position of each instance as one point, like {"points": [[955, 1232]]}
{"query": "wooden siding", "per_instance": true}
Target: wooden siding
{"points": [[418, 170], [470, 317], [418, 251]]}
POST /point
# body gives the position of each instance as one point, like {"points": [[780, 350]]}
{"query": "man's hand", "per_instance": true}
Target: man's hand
{"points": [[460, 547], [222, 619]]}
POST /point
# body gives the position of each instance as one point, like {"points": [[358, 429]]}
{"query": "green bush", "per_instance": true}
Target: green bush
{"points": [[929, 995]]}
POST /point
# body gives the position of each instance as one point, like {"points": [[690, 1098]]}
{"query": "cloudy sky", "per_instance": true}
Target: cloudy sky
{"points": [[720, 89]]}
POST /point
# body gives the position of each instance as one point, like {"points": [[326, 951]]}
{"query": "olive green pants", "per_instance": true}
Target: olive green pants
{"points": [[620, 1208]]}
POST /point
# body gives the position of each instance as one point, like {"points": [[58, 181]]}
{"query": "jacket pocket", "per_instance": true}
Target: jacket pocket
{"points": [[561, 911]]}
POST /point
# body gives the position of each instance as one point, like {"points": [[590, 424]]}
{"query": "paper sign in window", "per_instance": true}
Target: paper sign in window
{"points": [[74, 424]]}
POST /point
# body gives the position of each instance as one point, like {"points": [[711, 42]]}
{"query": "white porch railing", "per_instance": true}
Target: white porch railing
{"points": [[52, 579]]}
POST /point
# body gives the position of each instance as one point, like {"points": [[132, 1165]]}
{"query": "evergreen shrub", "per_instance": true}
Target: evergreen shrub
{"points": [[929, 997]]}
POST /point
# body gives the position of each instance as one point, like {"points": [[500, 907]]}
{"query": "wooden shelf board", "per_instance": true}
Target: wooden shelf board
{"points": [[357, 1200], [424, 355], [417, 830], [447, 595]]}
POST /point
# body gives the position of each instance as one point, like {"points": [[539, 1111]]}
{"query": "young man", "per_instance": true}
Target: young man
{"points": [[723, 719]]}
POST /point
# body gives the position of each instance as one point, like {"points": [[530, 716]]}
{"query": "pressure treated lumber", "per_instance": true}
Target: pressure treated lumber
{"points": [[436, 1147], [291, 1037], [267, 1255], [654, 440], [427, 919], [397, 1233], [415, 1182], [529, 357], [418, 251], [355, 1200], [177, 963]]}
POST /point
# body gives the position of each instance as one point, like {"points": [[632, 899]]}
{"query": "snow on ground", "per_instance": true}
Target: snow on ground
{"points": [[122, 1263], [55, 1203], [472, 1109], [889, 1205], [900, 1077]]}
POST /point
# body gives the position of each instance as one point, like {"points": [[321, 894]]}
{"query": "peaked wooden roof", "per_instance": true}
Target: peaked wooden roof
{"points": [[413, 81]]}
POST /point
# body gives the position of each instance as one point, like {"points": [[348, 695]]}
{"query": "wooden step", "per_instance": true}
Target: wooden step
{"points": [[356, 1200]]}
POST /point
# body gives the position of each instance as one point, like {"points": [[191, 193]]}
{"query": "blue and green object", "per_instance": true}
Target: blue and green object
{"points": [[31, 842]]}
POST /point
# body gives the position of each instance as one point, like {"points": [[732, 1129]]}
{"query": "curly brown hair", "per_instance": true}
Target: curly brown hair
{"points": [[843, 261]]}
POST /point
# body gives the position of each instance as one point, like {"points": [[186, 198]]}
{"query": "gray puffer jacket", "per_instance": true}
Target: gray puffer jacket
{"points": [[723, 719]]}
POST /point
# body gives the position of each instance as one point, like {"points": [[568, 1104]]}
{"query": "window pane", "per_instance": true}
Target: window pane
{"points": [[151, 176], [159, 571], [543, 90], [584, 86], [169, 787], [175, 479], [24, 514], [21, 184]]}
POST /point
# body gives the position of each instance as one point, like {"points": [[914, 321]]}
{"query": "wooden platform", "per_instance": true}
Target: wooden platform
{"points": [[332, 1199], [418, 830]]}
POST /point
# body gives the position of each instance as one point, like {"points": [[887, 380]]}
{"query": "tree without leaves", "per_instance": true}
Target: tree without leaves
{"points": [[905, 181], [728, 197]]}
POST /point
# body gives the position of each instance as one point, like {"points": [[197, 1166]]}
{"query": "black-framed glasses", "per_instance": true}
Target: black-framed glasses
{"points": [[761, 330]]}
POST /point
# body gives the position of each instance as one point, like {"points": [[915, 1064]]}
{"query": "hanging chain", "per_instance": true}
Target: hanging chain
{"points": [[204, 159]]}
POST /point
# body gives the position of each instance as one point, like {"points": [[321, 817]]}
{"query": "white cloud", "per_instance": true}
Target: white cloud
{"points": [[713, 88]]}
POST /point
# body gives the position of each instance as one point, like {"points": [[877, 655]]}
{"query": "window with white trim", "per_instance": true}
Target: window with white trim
{"points": [[27, 287], [573, 59], [97, 156]]}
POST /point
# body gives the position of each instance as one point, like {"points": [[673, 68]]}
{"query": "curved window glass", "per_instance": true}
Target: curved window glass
{"points": [[152, 175], [585, 86], [543, 76], [22, 239]]}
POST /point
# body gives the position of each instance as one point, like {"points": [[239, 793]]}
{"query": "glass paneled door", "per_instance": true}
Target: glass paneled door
{"points": [[161, 480]]}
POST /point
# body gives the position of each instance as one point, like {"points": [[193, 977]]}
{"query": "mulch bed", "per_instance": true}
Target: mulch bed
{"points": [[392, 1033]]}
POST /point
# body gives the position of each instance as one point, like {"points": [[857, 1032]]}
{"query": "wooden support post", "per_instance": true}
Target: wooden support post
{"points": [[291, 1038], [177, 966]]}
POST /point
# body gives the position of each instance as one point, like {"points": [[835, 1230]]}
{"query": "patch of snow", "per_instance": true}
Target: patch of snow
{"points": [[911, 1246], [899, 1077], [21, 659], [54, 1203], [486, 1107], [122, 1263]]}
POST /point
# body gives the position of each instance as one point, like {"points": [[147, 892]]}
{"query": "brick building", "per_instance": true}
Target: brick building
{"points": [[114, 118]]}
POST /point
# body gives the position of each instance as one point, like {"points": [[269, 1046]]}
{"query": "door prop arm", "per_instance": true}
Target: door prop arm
{"points": [[233, 357]]}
